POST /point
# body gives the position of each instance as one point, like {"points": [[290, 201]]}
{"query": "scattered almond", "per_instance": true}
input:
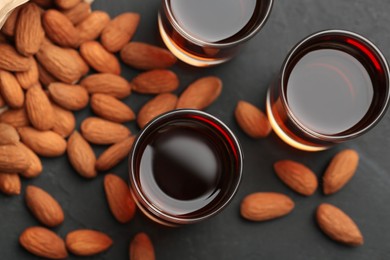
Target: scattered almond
{"points": [[65, 121], [155, 82], [11, 60], [100, 131], [141, 248], [35, 167], [110, 108], [10, 183], [71, 97], [10, 90], [10, 24], [114, 154], [39, 109], [252, 120], [67, 4], [12, 159], [78, 13], [15, 117], [106, 83], [8, 134], [92, 26], [100, 59], [160, 104], [86, 242], [30, 77]]}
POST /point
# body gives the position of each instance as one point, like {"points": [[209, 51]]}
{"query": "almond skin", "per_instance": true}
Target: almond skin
{"points": [[44, 143], [10, 183], [11, 90], [44, 3], [71, 97], [39, 109], [8, 134], [43, 242], [201, 93], [338, 225], [12, 159], [263, 206], [119, 198], [160, 104], [2, 102], [114, 154], [99, 59], [340, 171], [146, 57], [35, 168], [141, 248], [106, 83], [44, 76], [78, 13], [15, 117], [92, 26], [29, 33], [119, 31], [10, 24], [11, 60], [297, 176], [67, 4], [155, 82], [100, 131], [81, 156], [65, 121], [252, 120], [110, 108], [86, 242], [30, 77], [43, 206]]}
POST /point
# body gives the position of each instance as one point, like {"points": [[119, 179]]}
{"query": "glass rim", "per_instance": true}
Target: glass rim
{"points": [[362, 40], [153, 209], [192, 39]]}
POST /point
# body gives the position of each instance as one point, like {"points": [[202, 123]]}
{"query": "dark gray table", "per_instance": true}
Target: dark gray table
{"points": [[227, 236]]}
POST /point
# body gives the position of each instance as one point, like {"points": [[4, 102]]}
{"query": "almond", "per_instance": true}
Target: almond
{"points": [[64, 122], [110, 108], [92, 26], [78, 13], [15, 117], [146, 57], [99, 59], [114, 154], [12, 159], [81, 156], [43, 242], [160, 104], [43, 206], [11, 60], [86, 242], [3, 38], [106, 83], [201, 93], [10, 24], [35, 167], [44, 3], [83, 66], [44, 143], [141, 248], [338, 225], [8, 134], [11, 91], [155, 82], [297, 176], [10, 183], [60, 29], [39, 109], [2, 102], [44, 76], [66, 4], [62, 63], [71, 97], [119, 198], [100, 131], [119, 31], [30, 77], [252, 120], [340, 171], [263, 206], [29, 33]]}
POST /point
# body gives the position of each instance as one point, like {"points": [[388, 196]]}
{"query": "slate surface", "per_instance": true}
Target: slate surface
{"points": [[366, 198]]}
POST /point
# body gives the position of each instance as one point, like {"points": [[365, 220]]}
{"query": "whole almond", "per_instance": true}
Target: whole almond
{"points": [[114, 154], [43, 242], [11, 90], [35, 168], [12, 159], [83, 66], [297, 176], [110, 108], [10, 24], [44, 76], [106, 83], [252, 120], [81, 156], [65, 121], [86, 242], [10, 183], [15, 117], [338, 225], [340, 171], [60, 29], [29, 33], [263, 206], [43, 206], [30, 77], [92, 26], [146, 57], [44, 143], [44, 3], [39, 109], [71, 97], [160, 104], [66, 4], [119, 198], [119, 31], [141, 248], [201, 93], [100, 131], [78, 13], [99, 59], [8, 134], [11, 60], [155, 82]]}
